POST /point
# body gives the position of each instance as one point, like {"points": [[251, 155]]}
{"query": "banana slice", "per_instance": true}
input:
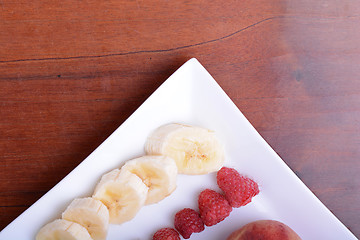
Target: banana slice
{"points": [[123, 193], [157, 172], [91, 214], [195, 150], [64, 230]]}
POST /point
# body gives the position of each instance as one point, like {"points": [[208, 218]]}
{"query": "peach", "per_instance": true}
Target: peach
{"points": [[264, 230]]}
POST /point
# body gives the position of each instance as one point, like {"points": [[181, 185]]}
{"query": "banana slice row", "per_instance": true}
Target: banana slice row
{"points": [[117, 198], [121, 193]]}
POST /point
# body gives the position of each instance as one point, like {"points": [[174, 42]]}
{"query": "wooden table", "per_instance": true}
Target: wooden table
{"points": [[72, 71]]}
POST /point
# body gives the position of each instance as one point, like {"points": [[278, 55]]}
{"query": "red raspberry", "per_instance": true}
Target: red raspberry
{"points": [[213, 207], [238, 189], [166, 234], [188, 221]]}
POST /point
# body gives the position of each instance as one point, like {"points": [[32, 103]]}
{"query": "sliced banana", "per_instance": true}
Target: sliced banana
{"points": [[61, 229], [159, 173], [91, 214], [195, 150], [123, 193]]}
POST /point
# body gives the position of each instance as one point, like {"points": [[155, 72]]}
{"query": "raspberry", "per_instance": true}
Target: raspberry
{"points": [[188, 221], [166, 234], [213, 207], [238, 189]]}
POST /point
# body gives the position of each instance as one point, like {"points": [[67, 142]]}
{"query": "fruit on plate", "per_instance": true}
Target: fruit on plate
{"points": [[64, 230], [187, 222], [213, 207], [238, 189], [123, 193], [166, 234], [89, 213], [195, 150], [159, 173], [266, 230]]}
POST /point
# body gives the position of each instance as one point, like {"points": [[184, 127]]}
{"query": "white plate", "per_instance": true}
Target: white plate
{"points": [[191, 96]]}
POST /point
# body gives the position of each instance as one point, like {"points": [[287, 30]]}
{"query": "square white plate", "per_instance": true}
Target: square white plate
{"points": [[193, 97]]}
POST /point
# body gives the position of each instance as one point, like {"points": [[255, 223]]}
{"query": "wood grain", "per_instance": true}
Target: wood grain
{"points": [[72, 72]]}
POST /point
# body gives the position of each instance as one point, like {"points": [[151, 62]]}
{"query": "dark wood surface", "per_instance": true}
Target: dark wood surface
{"points": [[72, 71]]}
